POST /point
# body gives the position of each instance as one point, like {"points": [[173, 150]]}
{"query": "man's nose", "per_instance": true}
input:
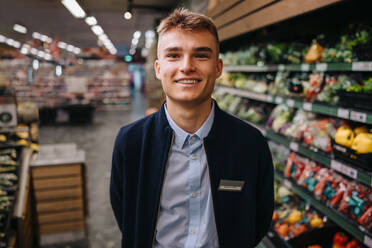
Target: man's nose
{"points": [[187, 64]]}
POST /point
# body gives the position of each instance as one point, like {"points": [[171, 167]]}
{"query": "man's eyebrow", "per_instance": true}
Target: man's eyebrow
{"points": [[203, 49], [173, 49]]}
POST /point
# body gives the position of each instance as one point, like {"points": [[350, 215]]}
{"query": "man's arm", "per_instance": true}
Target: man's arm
{"points": [[116, 184], [265, 193]]}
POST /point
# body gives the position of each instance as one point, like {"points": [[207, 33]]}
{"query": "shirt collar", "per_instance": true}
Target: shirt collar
{"points": [[181, 136]]}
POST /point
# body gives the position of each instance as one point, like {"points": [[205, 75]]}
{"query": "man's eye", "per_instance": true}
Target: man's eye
{"points": [[172, 56], [202, 56]]}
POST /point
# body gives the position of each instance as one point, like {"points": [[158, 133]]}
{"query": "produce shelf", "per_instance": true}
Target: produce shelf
{"points": [[320, 157], [345, 113], [355, 66], [354, 229]]}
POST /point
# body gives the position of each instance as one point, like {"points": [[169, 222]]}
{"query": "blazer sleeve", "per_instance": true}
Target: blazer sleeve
{"points": [[265, 194], [116, 182]]}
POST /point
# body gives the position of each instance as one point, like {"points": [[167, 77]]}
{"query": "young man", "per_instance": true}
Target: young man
{"points": [[191, 175]]}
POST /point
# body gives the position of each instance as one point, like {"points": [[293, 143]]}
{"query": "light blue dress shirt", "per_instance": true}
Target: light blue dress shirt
{"points": [[186, 217]]}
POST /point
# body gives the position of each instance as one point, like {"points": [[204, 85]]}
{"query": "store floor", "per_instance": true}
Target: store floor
{"points": [[97, 140]]}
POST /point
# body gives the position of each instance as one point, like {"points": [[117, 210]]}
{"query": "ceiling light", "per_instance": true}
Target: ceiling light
{"points": [[9, 42], [134, 41], [62, 45], [33, 51], [74, 8], [144, 52], [20, 28], [26, 46], [127, 15], [137, 34], [41, 54], [77, 50], [91, 20], [97, 30], [58, 70], [132, 51], [36, 35], [16, 44], [70, 48], [150, 34], [44, 38], [102, 37], [49, 40], [48, 56], [2, 38], [24, 50]]}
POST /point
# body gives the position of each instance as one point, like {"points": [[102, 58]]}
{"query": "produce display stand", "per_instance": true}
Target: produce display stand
{"points": [[240, 22], [58, 175]]}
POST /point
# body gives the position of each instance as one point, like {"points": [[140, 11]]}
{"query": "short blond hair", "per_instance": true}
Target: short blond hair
{"points": [[184, 19]]}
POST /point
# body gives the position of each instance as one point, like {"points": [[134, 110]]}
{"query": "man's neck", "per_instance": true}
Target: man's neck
{"points": [[189, 117]]}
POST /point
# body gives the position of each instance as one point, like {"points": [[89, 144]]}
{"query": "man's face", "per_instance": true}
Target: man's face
{"points": [[188, 65]]}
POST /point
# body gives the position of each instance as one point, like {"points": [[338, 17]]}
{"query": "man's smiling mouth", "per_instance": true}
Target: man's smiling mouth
{"points": [[188, 81]]}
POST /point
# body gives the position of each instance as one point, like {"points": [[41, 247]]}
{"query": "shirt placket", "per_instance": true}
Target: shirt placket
{"points": [[194, 181]]}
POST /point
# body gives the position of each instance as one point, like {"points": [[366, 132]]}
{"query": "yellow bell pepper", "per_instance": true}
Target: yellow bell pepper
{"points": [[362, 129], [363, 143], [294, 217], [344, 136], [316, 221]]}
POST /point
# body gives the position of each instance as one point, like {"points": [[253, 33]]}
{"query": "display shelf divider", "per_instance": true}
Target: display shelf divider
{"points": [[354, 229]]}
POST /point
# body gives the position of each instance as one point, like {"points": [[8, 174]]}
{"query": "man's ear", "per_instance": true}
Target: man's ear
{"points": [[219, 67], [157, 69]]}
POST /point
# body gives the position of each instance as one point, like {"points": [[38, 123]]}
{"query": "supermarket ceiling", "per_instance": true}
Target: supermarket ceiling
{"points": [[51, 18]]}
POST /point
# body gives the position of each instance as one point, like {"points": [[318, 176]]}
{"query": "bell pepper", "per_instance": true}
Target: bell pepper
{"points": [[344, 136], [314, 54], [294, 216], [362, 143], [353, 244], [316, 221], [340, 239], [362, 129]]}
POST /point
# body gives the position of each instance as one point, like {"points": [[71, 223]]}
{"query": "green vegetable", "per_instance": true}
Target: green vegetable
{"points": [[367, 86], [355, 88]]}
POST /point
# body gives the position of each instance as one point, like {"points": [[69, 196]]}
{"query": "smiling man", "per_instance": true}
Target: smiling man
{"points": [[190, 175]]}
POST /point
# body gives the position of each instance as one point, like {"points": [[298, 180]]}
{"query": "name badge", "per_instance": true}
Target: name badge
{"points": [[230, 185]]}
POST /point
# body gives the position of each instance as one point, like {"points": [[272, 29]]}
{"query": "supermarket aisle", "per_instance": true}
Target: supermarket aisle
{"points": [[97, 140]]}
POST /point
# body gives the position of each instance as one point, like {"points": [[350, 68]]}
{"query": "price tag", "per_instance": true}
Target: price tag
{"points": [[270, 234], [362, 66], [305, 67], [337, 166], [281, 67], [287, 183], [321, 67], [358, 116], [367, 241], [278, 100], [290, 103], [343, 113], [293, 146], [351, 172], [307, 106], [270, 98]]}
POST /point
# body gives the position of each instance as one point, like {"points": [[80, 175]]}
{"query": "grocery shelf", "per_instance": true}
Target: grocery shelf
{"points": [[355, 66], [341, 112], [318, 156], [354, 229]]}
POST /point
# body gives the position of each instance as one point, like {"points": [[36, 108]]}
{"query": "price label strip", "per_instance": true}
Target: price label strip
{"points": [[305, 67], [321, 67], [307, 106], [278, 100], [290, 103], [293, 146], [287, 183], [343, 113], [362, 66], [358, 116]]}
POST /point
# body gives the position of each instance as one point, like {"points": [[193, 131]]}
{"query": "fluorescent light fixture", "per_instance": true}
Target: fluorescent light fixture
{"points": [[24, 50], [150, 34], [127, 15], [137, 34], [74, 8], [26, 46], [70, 48], [62, 45], [97, 30], [36, 35], [41, 54], [58, 70], [9, 42], [2, 38], [20, 28], [48, 56], [44, 38], [16, 44], [102, 37], [49, 40], [91, 20], [132, 51], [134, 41], [77, 50], [35, 64], [144, 52], [33, 51]]}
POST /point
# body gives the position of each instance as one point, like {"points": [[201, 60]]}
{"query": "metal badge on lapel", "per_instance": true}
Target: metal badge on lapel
{"points": [[230, 185]]}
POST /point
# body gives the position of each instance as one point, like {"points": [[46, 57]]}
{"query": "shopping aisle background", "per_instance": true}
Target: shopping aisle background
{"points": [[96, 140]]}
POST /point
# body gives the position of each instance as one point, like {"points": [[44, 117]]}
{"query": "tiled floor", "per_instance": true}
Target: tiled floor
{"points": [[97, 140]]}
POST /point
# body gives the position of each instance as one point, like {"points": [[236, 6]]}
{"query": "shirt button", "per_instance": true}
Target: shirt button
{"points": [[193, 138], [194, 195], [193, 231], [194, 157]]}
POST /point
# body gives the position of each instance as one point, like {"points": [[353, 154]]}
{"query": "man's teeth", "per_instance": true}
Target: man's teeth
{"points": [[188, 81]]}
